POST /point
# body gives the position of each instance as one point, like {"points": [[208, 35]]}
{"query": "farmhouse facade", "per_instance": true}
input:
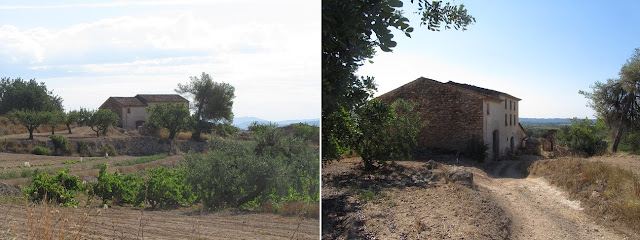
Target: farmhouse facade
{"points": [[459, 112], [132, 110]]}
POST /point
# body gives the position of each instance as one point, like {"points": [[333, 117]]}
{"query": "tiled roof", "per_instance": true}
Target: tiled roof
{"points": [[147, 98], [483, 91], [128, 101]]}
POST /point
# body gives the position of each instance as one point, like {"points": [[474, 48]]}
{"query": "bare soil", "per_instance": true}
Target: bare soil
{"points": [[22, 222], [504, 203], [400, 203]]}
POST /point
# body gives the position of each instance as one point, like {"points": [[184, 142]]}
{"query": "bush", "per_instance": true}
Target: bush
{"points": [[10, 145], [108, 149], [233, 174], [118, 188], [476, 149], [60, 144], [225, 130], [84, 149], [167, 187], [584, 136], [307, 132], [59, 188], [39, 150]]}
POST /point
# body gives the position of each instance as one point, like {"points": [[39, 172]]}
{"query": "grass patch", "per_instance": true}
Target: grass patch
{"points": [[141, 160], [84, 160], [25, 173], [606, 191]]}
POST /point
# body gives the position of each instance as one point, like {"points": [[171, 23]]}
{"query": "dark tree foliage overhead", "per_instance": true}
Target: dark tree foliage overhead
{"points": [[352, 30], [19, 94], [617, 102], [212, 102]]}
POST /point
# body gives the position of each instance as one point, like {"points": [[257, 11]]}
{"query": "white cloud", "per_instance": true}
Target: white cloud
{"points": [[273, 61]]}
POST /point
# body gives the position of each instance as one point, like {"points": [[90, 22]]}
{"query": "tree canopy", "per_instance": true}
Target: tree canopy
{"points": [[617, 102], [212, 101], [30, 119], [19, 94], [174, 117], [98, 121], [352, 31]]}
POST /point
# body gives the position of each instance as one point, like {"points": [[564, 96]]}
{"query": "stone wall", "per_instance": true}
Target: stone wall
{"points": [[454, 115], [133, 146]]}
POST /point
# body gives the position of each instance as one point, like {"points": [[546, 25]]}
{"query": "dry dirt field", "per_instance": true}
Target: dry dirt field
{"points": [[129, 223], [504, 203], [402, 204]]}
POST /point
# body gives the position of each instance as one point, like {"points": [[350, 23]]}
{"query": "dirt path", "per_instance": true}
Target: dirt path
{"points": [[537, 209]]}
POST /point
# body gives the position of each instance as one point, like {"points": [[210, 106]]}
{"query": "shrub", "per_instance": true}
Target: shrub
{"points": [[225, 130], [39, 150], [476, 149], [10, 145], [584, 136], [233, 174], [108, 149], [167, 187], [84, 149], [60, 144], [306, 132], [118, 188], [59, 188]]}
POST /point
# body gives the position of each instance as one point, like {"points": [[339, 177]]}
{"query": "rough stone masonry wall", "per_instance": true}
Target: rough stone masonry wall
{"points": [[454, 115], [133, 146]]}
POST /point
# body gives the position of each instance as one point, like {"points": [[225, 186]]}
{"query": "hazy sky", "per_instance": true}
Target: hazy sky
{"points": [[543, 52], [87, 51]]}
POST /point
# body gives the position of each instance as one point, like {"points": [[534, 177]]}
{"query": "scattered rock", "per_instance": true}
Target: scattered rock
{"points": [[432, 165], [460, 175]]}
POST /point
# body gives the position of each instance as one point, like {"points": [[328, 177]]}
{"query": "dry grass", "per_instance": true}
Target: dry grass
{"points": [[607, 192], [7, 127], [293, 208]]}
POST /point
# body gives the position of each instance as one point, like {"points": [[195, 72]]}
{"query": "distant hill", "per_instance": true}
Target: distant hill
{"points": [[244, 122], [546, 121]]}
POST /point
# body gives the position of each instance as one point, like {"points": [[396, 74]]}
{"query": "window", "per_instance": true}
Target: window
{"points": [[505, 103], [505, 119], [487, 109], [510, 120], [128, 110], [510, 105]]}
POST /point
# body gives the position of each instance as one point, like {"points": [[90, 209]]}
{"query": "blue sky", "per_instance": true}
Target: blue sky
{"points": [[543, 52], [87, 51]]}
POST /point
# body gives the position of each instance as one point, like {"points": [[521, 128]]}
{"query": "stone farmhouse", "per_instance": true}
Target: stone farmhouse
{"points": [[459, 112], [132, 110]]}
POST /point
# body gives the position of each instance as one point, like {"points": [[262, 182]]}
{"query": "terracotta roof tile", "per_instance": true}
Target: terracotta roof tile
{"points": [[147, 98]]}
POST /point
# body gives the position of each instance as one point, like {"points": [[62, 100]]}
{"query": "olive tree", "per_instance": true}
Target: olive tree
{"points": [[29, 119], [212, 102], [173, 117], [98, 120], [617, 102]]}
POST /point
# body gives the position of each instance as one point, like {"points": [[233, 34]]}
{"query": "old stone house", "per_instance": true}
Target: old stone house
{"points": [[132, 110], [459, 112]]}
